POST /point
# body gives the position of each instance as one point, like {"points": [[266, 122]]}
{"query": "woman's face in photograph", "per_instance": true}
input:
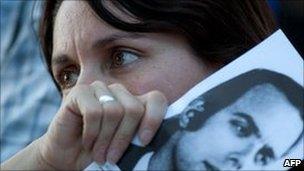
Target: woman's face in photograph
{"points": [[86, 49], [255, 130]]}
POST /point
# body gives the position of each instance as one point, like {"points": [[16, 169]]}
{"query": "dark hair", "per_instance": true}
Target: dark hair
{"points": [[217, 30], [228, 92]]}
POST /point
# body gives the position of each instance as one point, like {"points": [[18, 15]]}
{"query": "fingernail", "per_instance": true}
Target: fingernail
{"points": [[109, 167], [137, 141], [112, 156], [146, 136]]}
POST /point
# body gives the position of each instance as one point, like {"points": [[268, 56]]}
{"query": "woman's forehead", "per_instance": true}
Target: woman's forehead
{"points": [[76, 21], [73, 9], [81, 9], [76, 26], [75, 16]]}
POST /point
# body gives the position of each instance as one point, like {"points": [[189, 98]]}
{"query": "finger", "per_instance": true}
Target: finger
{"points": [[156, 107], [112, 114], [87, 105], [134, 110], [101, 90]]}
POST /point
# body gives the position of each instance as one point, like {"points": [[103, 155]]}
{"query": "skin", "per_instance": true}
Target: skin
{"points": [[245, 149], [165, 61], [143, 72]]}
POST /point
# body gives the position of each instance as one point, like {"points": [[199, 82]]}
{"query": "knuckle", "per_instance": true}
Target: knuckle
{"points": [[98, 84], [117, 86], [68, 107], [76, 92], [155, 94]]}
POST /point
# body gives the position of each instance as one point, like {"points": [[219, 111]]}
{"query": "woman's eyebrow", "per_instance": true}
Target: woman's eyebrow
{"points": [[114, 37], [251, 122], [63, 58], [60, 60]]}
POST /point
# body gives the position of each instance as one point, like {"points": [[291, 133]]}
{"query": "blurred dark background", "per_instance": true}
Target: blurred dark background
{"points": [[290, 17]]}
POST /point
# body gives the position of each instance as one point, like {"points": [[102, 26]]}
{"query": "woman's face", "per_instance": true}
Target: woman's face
{"points": [[86, 49], [252, 132]]}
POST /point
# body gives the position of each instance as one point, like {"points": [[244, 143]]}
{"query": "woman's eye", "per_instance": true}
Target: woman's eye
{"points": [[241, 127], [121, 58], [68, 78]]}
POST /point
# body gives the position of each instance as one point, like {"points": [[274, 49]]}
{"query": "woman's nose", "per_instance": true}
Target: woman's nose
{"points": [[93, 73]]}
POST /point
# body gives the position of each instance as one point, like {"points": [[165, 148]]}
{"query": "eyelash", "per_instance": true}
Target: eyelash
{"points": [[115, 56], [67, 72], [64, 74], [242, 129]]}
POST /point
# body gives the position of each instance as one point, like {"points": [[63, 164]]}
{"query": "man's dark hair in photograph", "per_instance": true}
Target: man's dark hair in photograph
{"points": [[228, 92], [253, 119]]}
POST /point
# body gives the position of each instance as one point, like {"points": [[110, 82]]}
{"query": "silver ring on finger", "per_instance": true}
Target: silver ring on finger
{"points": [[105, 98]]}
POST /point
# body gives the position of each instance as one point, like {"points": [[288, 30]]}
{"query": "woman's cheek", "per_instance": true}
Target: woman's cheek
{"points": [[141, 84]]}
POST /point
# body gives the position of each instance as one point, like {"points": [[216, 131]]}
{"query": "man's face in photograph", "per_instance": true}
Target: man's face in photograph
{"points": [[246, 134]]}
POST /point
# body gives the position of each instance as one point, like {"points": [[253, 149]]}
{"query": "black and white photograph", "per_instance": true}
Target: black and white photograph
{"points": [[247, 122]]}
